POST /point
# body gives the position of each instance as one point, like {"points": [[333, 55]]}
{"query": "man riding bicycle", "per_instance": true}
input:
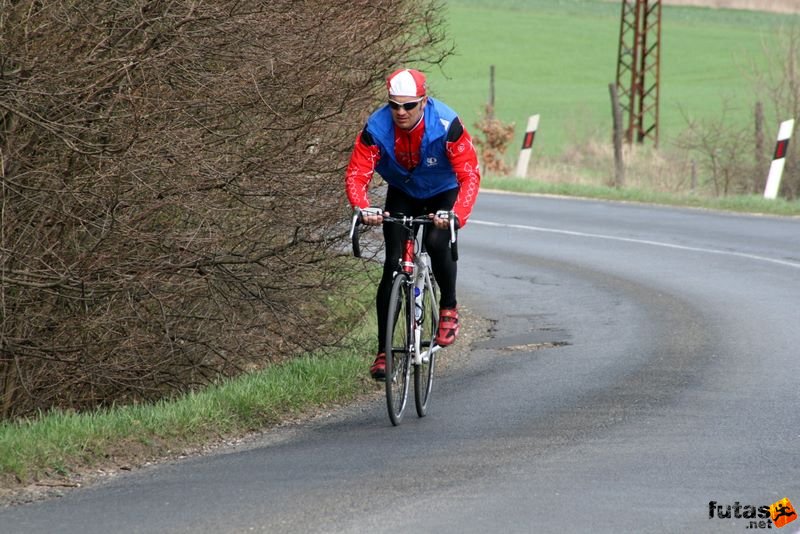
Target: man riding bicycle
{"points": [[421, 149]]}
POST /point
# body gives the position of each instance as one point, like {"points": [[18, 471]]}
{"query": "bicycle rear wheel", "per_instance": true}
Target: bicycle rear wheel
{"points": [[423, 373], [399, 338]]}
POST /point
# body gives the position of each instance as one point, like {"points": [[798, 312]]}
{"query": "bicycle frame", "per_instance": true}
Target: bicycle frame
{"points": [[413, 263], [412, 266]]}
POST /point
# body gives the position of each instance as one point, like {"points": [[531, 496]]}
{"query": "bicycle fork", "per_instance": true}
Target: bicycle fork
{"points": [[422, 283]]}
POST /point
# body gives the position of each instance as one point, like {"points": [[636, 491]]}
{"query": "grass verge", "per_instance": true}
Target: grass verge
{"points": [[740, 203]]}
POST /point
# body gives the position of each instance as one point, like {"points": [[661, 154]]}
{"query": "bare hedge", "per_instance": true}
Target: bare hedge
{"points": [[172, 184]]}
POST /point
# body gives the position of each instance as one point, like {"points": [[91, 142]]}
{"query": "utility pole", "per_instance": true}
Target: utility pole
{"points": [[638, 68]]}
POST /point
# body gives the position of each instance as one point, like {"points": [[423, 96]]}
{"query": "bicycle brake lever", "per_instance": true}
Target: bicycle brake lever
{"points": [[451, 218], [356, 221]]}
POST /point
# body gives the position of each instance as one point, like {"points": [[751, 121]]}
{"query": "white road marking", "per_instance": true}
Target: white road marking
{"points": [[755, 257]]}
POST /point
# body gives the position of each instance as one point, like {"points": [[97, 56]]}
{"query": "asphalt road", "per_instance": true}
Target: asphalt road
{"points": [[643, 369]]}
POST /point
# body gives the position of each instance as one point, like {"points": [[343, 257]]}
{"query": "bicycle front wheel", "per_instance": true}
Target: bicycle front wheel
{"points": [[399, 339], [423, 373]]}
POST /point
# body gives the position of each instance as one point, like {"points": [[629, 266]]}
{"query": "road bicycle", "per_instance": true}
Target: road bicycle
{"points": [[413, 315]]}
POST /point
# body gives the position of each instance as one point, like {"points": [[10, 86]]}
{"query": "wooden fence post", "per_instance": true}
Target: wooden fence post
{"points": [[761, 160], [491, 92], [619, 166]]}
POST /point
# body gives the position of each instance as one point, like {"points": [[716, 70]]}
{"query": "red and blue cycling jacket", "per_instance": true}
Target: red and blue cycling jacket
{"points": [[435, 156]]}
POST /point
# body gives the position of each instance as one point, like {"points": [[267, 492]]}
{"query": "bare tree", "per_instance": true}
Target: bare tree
{"points": [[170, 189]]}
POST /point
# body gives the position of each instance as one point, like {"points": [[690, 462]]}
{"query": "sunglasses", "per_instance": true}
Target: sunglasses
{"points": [[408, 106]]}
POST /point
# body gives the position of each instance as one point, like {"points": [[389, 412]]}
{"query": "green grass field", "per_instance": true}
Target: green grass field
{"points": [[557, 57]]}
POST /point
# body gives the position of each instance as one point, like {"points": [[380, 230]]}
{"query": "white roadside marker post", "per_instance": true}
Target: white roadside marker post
{"points": [[778, 160], [527, 146]]}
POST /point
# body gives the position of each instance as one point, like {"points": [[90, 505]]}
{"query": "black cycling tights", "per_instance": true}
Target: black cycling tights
{"points": [[436, 243]]}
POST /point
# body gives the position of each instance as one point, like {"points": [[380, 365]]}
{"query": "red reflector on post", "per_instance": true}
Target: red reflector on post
{"points": [[780, 149], [527, 142]]}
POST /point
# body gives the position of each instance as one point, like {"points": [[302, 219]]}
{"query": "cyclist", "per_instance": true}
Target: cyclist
{"points": [[421, 149]]}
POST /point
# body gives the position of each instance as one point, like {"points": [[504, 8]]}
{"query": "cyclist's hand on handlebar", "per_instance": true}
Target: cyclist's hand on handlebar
{"points": [[441, 219], [372, 216]]}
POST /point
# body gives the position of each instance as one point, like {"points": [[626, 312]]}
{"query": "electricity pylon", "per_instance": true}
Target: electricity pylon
{"points": [[638, 68]]}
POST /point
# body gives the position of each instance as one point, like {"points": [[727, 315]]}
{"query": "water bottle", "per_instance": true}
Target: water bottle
{"points": [[417, 303], [419, 285]]}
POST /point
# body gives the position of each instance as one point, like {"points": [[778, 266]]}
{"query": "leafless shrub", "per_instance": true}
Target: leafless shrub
{"points": [[722, 149], [171, 184]]}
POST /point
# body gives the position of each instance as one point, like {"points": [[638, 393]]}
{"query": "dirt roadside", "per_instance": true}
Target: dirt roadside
{"points": [[777, 6]]}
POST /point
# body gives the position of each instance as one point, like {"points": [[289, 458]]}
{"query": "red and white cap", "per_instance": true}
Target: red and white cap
{"points": [[406, 82]]}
